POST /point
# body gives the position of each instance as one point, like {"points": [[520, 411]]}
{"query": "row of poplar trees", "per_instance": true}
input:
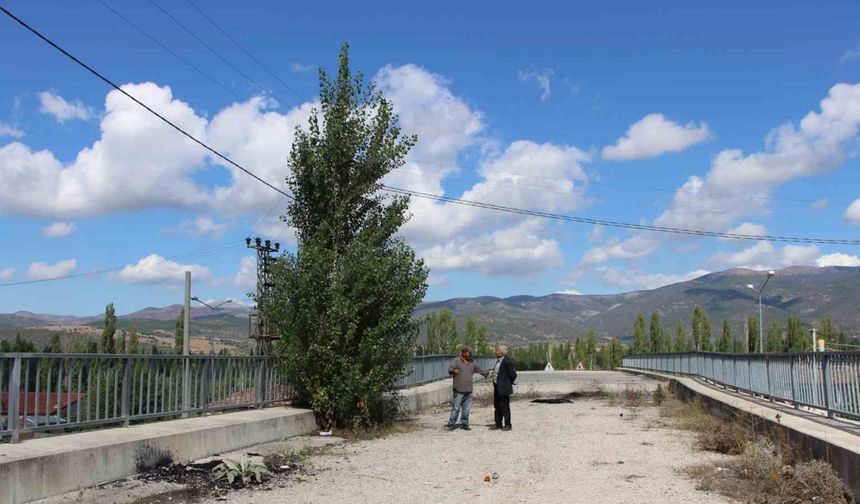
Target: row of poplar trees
{"points": [[657, 338], [444, 338]]}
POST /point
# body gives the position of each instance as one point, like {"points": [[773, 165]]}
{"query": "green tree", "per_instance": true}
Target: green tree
{"points": [[616, 352], [483, 346], [5, 347], [433, 345], [656, 334], [92, 346], [133, 345], [108, 345], [797, 339], [121, 341], [680, 344], [701, 330], [753, 335], [179, 333], [470, 335], [726, 342], [738, 346], [579, 353], [343, 302], [54, 345], [774, 341], [448, 338], [590, 350], [22, 345], [640, 343]]}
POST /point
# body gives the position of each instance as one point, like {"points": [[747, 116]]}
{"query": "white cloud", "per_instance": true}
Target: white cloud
{"points": [[7, 130], [437, 280], [570, 292], [59, 229], [637, 279], [596, 234], [654, 135], [42, 271], [543, 78], [745, 228], [246, 277], [852, 213], [850, 55], [635, 247], [516, 251], [201, 226], [762, 255], [820, 204], [61, 109], [738, 185], [156, 270], [301, 68], [6, 273], [838, 259]]}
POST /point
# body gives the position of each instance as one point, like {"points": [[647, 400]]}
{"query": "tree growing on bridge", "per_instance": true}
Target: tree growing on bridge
{"points": [[342, 303], [640, 341]]}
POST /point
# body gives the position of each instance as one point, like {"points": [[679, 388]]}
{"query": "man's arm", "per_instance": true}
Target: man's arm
{"points": [[481, 371], [512, 372], [452, 368]]}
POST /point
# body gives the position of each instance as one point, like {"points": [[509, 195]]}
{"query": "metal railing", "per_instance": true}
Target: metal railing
{"points": [[48, 392], [429, 368], [829, 381], [57, 392]]}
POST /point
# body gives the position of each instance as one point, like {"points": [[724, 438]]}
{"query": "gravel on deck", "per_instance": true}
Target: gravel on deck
{"points": [[584, 451]]}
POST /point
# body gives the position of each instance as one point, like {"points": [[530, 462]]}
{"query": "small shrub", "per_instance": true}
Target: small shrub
{"points": [[759, 462], [244, 470], [814, 481], [633, 398], [725, 437], [659, 396]]}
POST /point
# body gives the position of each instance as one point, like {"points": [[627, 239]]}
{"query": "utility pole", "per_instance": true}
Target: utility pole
{"points": [[213, 308], [186, 347], [259, 328], [812, 331]]}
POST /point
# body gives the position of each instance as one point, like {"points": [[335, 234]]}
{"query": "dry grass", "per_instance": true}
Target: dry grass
{"points": [[712, 433], [758, 476], [403, 426]]}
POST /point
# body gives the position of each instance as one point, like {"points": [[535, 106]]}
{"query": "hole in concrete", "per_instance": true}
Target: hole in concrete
{"points": [[552, 400], [568, 398]]}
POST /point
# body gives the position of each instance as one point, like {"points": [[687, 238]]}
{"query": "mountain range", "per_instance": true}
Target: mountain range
{"points": [[809, 293]]}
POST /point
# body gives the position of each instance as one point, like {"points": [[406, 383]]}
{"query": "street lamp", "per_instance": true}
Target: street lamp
{"points": [[760, 322], [213, 308]]}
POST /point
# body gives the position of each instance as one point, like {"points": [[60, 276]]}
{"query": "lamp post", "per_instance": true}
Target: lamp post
{"points": [[213, 308], [760, 321]]}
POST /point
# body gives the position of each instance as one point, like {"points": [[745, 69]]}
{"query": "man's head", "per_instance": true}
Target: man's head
{"points": [[501, 350], [466, 353]]}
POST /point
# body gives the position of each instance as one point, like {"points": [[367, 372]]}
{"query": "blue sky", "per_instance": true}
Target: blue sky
{"points": [[718, 118]]}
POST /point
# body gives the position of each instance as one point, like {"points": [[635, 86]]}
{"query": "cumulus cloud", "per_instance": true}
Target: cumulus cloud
{"points": [[570, 292], [59, 229], [43, 271], [201, 226], [61, 109], [637, 279], [745, 228], [635, 247], [541, 77], [516, 251], [7, 130], [852, 213], [762, 255], [6, 273], [820, 204], [301, 68], [838, 259], [246, 277], [156, 270], [812, 147], [654, 135]]}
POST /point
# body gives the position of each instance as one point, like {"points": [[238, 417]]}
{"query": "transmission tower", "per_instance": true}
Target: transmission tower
{"points": [[259, 328]]}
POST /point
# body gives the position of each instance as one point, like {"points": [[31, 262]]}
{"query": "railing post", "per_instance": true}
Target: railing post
{"points": [[791, 378], [186, 386], [767, 372], [259, 396], [14, 400], [205, 383], [126, 391], [825, 364]]}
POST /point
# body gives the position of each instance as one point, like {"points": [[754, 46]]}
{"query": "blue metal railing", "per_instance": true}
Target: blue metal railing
{"points": [[829, 381]]}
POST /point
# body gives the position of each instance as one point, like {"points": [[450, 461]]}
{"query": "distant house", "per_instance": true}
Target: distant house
{"points": [[549, 367], [41, 408]]}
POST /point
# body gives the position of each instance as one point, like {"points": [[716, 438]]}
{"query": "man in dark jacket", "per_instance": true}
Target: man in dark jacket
{"points": [[504, 378]]}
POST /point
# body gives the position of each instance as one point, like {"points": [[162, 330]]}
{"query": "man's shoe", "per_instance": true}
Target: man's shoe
{"points": [[452, 427], [506, 428], [466, 427], [496, 427]]}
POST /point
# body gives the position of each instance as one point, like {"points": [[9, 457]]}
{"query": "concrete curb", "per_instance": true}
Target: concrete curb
{"points": [[809, 435], [46, 467]]}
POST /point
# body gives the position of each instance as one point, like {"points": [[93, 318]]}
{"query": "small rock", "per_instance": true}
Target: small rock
{"points": [[487, 478]]}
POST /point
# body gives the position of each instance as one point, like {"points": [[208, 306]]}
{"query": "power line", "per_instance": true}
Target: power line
{"points": [[184, 255], [171, 51], [624, 225], [240, 46], [132, 98], [213, 51], [447, 199]]}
